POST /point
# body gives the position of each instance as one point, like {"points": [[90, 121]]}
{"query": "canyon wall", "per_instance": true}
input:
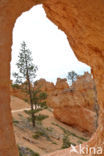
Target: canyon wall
{"points": [[83, 23], [74, 105]]}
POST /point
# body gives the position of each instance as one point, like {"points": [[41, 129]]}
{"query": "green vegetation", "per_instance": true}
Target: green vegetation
{"points": [[26, 73], [24, 151], [38, 134], [15, 86], [39, 103], [50, 129], [41, 132], [25, 78], [44, 132], [72, 76], [20, 115], [66, 142], [41, 117], [70, 133], [15, 121]]}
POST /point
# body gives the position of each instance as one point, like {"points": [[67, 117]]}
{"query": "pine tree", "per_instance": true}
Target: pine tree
{"points": [[38, 98], [72, 76], [26, 73]]}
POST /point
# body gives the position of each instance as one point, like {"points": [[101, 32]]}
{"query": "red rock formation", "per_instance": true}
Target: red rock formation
{"points": [[83, 22], [61, 84], [75, 105], [44, 85], [86, 87], [18, 91], [77, 116], [72, 105]]}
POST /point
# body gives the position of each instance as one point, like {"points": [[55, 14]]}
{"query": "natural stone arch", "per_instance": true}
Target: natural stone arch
{"points": [[83, 22]]}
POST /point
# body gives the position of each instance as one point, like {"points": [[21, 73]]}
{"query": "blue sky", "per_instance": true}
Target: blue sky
{"points": [[49, 45]]}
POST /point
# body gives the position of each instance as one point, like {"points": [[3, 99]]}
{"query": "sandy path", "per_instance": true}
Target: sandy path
{"points": [[20, 110], [17, 103]]}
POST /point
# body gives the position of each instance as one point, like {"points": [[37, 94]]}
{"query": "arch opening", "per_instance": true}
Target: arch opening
{"points": [[38, 38]]}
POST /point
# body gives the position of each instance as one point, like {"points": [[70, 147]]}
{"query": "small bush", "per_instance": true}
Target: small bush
{"points": [[15, 86], [50, 129], [23, 151], [26, 100], [15, 121], [38, 134], [42, 132], [66, 142], [41, 117]]}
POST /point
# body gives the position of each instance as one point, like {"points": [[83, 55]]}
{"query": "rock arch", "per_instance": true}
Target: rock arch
{"points": [[83, 23]]}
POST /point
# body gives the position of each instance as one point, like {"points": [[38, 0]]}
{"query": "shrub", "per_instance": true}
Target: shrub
{"points": [[24, 151], [15, 86]]}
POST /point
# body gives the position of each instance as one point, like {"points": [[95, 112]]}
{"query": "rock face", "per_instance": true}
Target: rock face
{"points": [[61, 84], [77, 116], [73, 105], [18, 91], [83, 22], [44, 85], [86, 88]]}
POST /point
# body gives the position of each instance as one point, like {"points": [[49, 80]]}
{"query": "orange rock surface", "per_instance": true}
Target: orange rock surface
{"points": [[18, 93], [83, 23], [74, 105], [77, 117]]}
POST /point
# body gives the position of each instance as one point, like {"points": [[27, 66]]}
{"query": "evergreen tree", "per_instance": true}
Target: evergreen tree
{"points": [[26, 73], [38, 98], [72, 76]]}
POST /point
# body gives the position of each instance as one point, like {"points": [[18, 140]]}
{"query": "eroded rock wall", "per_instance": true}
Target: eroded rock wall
{"points": [[74, 105], [9, 11], [83, 23]]}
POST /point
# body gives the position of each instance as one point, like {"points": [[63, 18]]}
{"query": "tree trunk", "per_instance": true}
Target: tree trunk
{"points": [[32, 108], [30, 94]]}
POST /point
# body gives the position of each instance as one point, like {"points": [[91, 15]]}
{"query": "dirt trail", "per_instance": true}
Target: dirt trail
{"points": [[20, 110]]}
